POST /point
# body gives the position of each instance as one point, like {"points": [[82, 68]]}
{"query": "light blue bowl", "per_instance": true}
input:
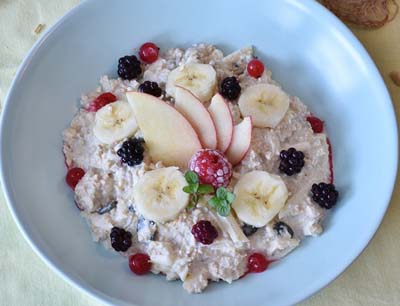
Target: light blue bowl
{"points": [[311, 53]]}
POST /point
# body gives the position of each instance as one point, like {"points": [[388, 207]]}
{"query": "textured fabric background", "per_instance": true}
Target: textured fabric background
{"points": [[374, 278]]}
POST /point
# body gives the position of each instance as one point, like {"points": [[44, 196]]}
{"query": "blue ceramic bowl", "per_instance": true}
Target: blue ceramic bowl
{"points": [[311, 53]]}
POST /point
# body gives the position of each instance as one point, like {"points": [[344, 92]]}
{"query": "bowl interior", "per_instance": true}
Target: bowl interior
{"points": [[309, 52]]}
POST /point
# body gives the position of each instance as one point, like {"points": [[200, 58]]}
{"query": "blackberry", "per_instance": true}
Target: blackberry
{"points": [[204, 232], [150, 88], [292, 161], [325, 195], [248, 229], [129, 67], [282, 228], [131, 151], [121, 240], [230, 88]]}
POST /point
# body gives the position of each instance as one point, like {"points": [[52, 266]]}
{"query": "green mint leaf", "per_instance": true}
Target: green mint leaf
{"points": [[192, 188], [214, 202], [224, 209], [187, 189], [221, 193], [191, 177], [230, 197], [204, 189]]}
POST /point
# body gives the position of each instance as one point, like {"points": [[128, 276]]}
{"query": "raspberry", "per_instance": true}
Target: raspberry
{"points": [[148, 52], [257, 263], [100, 101], [73, 177], [212, 167], [255, 68], [317, 124], [204, 232], [139, 263]]}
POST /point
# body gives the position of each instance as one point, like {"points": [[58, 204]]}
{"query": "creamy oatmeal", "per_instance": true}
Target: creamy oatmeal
{"points": [[128, 154]]}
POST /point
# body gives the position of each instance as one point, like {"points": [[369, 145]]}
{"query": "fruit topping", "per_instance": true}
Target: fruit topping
{"points": [[230, 88], [140, 263], [148, 52], [241, 141], [255, 68], [131, 151], [121, 240], [212, 167], [317, 124], [150, 88], [204, 232], [282, 228], [324, 194], [257, 263], [102, 100], [129, 67], [266, 104], [292, 161], [73, 177], [248, 229]]}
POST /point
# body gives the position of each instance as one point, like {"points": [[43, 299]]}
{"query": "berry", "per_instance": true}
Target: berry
{"points": [[212, 167], [204, 232], [148, 52], [121, 240], [257, 263], [100, 101], [73, 177], [249, 230], [139, 263], [255, 68], [317, 124], [131, 151], [292, 161], [150, 88], [230, 88], [281, 228], [129, 67], [324, 194]]}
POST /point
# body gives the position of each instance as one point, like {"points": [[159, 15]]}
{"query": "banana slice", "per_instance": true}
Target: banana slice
{"points": [[200, 79], [259, 197], [267, 104], [114, 122], [159, 196]]}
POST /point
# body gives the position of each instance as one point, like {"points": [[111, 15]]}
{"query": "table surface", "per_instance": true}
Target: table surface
{"points": [[373, 279]]}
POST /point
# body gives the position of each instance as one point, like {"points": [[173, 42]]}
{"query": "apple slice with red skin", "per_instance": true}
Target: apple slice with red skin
{"points": [[197, 115], [241, 141], [222, 117], [168, 135]]}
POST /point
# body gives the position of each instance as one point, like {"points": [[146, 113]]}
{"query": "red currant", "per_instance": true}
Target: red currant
{"points": [[317, 124], [148, 52], [139, 263], [255, 68], [257, 263], [73, 177], [102, 100]]}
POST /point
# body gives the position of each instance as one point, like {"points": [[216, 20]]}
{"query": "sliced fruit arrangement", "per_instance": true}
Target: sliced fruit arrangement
{"points": [[267, 104], [114, 122], [241, 141], [159, 194], [222, 117], [198, 116], [200, 79], [169, 136], [259, 197]]}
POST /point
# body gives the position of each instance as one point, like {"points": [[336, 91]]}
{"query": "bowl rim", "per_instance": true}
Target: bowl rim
{"points": [[343, 30]]}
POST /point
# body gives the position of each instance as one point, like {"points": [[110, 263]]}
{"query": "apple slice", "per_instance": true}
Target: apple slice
{"points": [[241, 140], [198, 116], [168, 135], [222, 117]]}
